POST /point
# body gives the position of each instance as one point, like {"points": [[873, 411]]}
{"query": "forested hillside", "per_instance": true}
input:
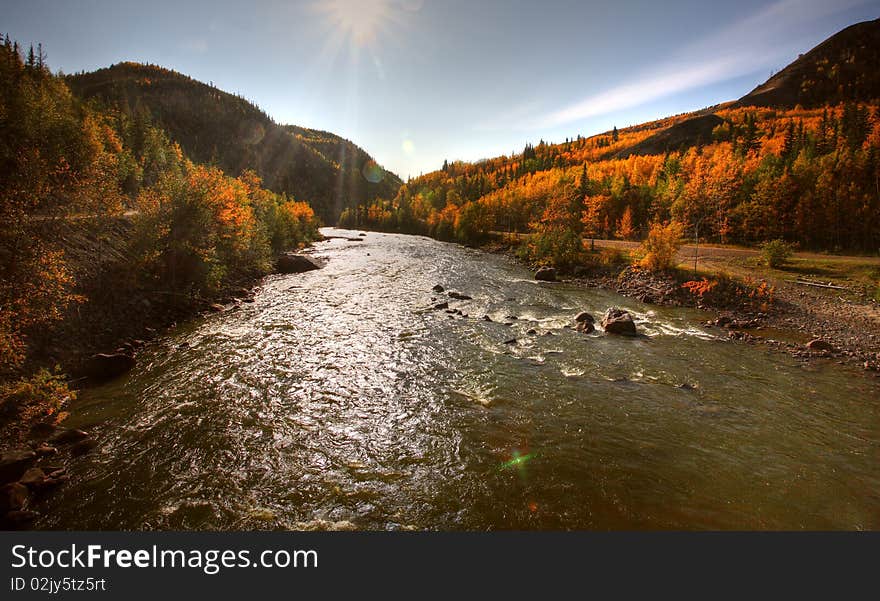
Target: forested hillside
{"points": [[745, 172], [103, 214], [214, 127]]}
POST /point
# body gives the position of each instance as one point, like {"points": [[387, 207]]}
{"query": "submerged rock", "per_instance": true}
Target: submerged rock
{"points": [[438, 288], [296, 263], [586, 327], [618, 321], [441, 306], [83, 447], [459, 295], [546, 274]]}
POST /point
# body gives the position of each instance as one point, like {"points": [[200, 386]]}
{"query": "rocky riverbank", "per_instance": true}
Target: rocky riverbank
{"points": [[96, 343], [807, 323]]}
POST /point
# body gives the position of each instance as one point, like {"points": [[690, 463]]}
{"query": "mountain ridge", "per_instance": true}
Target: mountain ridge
{"points": [[214, 126]]}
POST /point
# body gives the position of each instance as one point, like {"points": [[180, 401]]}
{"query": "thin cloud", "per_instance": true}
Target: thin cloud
{"points": [[750, 45]]}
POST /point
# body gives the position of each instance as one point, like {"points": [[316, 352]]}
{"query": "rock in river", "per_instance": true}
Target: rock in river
{"points": [[586, 327], [70, 436], [546, 274], [83, 447], [618, 321], [296, 263], [438, 288], [107, 366], [459, 295], [33, 477], [584, 316], [15, 463], [12, 497]]}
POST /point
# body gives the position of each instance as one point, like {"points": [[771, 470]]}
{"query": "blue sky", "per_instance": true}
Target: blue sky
{"points": [[418, 81]]}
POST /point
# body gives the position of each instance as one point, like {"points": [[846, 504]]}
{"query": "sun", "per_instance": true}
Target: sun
{"points": [[362, 21]]}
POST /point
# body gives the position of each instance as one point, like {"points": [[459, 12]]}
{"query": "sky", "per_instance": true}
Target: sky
{"points": [[415, 82]]}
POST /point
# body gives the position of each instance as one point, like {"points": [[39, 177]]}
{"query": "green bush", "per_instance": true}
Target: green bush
{"points": [[776, 253]]}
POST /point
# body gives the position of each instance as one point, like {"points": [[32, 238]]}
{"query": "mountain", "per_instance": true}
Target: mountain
{"points": [[843, 68], [213, 126], [693, 131]]}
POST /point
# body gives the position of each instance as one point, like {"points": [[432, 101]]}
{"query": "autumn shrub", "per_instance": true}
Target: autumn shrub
{"points": [[776, 253], [200, 229], [660, 248], [289, 224], [723, 291], [41, 395]]}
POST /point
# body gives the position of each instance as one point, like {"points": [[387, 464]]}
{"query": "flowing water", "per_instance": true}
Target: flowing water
{"points": [[339, 400]]}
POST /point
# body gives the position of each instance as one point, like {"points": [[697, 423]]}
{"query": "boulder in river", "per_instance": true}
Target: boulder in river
{"points": [[296, 263], [70, 436], [546, 274], [584, 316], [105, 366], [45, 450], [15, 463], [439, 306], [459, 295], [820, 345], [618, 321], [33, 477], [438, 288]]}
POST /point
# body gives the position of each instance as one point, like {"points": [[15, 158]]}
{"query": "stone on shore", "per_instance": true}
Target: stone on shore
{"points": [[820, 345], [296, 263]]}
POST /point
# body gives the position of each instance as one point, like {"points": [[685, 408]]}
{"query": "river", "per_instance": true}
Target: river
{"points": [[339, 400]]}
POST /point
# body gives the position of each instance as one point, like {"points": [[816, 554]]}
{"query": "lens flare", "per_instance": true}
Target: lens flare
{"points": [[361, 20], [518, 460], [373, 172]]}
